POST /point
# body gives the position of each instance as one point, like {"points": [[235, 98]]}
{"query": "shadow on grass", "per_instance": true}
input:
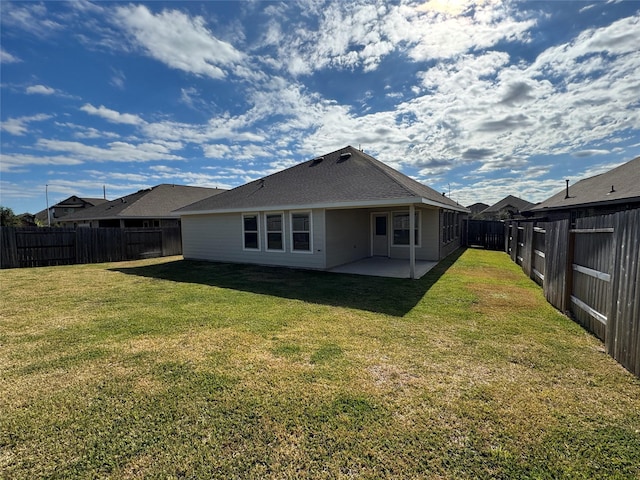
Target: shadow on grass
{"points": [[389, 296]]}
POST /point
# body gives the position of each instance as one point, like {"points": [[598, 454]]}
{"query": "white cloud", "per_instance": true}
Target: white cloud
{"points": [[111, 115], [30, 17], [359, 35], [40, 90], [17, 162], [117, 79], [19, 126], [179, 41], [115, 151], [6, 57]]}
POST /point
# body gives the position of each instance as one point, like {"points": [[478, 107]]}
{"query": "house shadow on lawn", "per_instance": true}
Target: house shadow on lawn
{"points": [[389, 296]]}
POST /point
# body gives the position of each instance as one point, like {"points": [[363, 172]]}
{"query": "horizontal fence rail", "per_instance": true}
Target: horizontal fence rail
{"points": [[40, 247], [591, 272]]}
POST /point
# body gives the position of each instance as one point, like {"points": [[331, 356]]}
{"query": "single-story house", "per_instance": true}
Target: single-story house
{"points": [[610, 192], [68, 206], [507, 208], [150, 207], [329, 211]]}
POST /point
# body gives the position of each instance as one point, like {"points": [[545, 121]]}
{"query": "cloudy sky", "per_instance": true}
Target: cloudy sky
{"points": [[481, 98]]}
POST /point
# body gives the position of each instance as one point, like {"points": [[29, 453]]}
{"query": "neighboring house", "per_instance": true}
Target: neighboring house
{"points": [[507, 208], [477, 208], [329, 211], [151, 207], [66, 207], [610, 192]]}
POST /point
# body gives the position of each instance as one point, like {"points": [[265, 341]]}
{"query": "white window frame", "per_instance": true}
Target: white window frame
{"points": [[266, 232], [244, 247], [292, 231], [418, 227]]}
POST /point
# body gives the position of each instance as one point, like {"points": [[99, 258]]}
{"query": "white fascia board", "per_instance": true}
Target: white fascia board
{"points": [[445, 206], [392, 202]]}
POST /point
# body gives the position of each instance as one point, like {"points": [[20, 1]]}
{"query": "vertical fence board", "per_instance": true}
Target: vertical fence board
{"points": [[538, 255], [556, 242], [513, 248], [526, 252]]}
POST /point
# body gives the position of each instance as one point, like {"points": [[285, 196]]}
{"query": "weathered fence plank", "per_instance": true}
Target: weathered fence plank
{"points": [[556, 242]]}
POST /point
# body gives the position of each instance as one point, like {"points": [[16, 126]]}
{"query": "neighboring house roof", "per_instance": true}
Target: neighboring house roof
{"points": [[72, 201], [509, 203], [155, 202], [477, 207], [345, 178], [620, 185]]}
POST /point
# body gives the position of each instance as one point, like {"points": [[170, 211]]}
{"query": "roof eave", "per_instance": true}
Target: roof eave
{"points": [[597, 203], [335, 205]]}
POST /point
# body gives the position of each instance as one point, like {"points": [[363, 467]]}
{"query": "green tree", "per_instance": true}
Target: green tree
{"points": [[8, 218]]}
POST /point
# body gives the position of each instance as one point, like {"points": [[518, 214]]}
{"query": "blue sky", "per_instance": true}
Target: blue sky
{"points": [[478, 98]]}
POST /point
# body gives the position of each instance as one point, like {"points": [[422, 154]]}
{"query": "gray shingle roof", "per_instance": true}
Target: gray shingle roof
{"points": [[155, 202], [344, 178], [625, 180], [509, 202]]}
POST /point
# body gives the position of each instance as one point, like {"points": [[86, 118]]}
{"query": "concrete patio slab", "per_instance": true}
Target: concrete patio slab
{"points": [[384, 267]]}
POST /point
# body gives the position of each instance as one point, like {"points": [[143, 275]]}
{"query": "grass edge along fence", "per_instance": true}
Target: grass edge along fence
{"points": [[45, 246], [590, 272]]}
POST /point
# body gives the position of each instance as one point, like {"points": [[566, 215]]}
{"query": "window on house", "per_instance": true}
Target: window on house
{"points": [[301, 232], [381, 225], [250, 231], [401, 228], [274, 231], [450, 226]]}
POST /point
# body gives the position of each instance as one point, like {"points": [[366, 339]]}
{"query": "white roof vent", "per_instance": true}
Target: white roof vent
{"points": [[345, 156], [317, 160]]}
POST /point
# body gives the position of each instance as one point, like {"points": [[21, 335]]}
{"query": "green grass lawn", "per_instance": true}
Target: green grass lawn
{"points": [[167, 368]]}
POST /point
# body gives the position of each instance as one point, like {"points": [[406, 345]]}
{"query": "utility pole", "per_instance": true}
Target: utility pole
{"points": [[46, 193]]}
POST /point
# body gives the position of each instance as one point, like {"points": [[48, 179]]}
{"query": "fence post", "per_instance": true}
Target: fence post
{"points": [[568, 290], [610, 335], [514, 241]]}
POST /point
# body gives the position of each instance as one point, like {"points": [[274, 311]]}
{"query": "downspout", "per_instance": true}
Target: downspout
{"points": [[412, 241]]}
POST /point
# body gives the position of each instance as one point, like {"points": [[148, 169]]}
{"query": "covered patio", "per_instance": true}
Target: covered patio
{"points": [[385, 267]]}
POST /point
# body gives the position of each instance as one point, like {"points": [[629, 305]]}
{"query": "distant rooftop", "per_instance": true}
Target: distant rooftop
{"points": [[619, 185]]}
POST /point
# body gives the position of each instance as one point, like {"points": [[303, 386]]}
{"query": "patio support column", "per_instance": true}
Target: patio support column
{"points": [[412, 241]]}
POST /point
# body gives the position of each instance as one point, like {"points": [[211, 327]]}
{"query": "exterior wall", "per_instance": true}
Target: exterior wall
{"points": [[429, 235], [220, 238], [448, 246], [348, 236], [338, 237]]}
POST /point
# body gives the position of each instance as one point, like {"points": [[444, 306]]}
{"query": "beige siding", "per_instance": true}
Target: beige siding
{"points": [[348, 236], [219, 238], [339, 237], [429, 232]]}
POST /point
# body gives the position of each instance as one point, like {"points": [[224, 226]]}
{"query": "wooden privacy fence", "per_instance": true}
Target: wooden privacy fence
{"points": [[591, 272], [39, 247], [487, 234]]}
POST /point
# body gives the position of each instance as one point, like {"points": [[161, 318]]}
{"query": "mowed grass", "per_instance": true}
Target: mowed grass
{"points": [[167, 368]]}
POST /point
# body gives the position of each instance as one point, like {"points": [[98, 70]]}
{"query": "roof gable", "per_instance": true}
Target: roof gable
{"points": [[508, 202], [344, 177], [615, 186]]}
